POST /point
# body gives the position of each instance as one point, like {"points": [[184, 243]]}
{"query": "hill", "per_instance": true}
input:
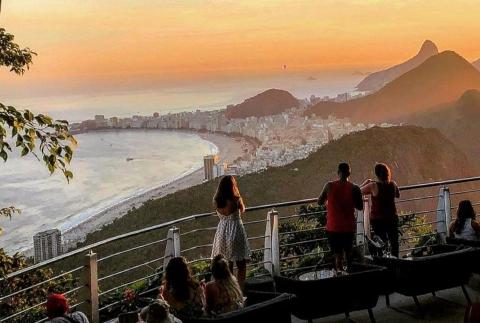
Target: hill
{"points": [[477, 64], [267, 103], [377, 80], [458, 121], [440, 79]]}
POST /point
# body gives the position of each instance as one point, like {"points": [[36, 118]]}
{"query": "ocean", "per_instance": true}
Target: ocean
{"points": [[102, 178], [181, 96]]}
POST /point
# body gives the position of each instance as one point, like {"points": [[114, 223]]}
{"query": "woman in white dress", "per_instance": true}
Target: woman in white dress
{"points": [[465, 226], [230, 238]]}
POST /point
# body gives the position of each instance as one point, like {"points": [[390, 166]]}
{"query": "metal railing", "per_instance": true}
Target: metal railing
{"points": [[269, 243]]}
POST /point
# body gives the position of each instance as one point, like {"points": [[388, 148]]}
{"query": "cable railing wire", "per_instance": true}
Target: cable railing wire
{"points": [[132, 249]]}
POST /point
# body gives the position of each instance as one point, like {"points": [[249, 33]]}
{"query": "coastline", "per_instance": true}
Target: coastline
{"points": [[228, 148]]}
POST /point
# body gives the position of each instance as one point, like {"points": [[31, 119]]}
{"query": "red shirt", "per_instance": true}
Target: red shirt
{"points": [[341, 207]]}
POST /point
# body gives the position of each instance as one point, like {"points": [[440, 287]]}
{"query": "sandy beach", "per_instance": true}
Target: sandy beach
{"points": [[229, 149]]}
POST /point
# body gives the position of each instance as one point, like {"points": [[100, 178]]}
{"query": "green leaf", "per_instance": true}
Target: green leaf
{"points": [[68, 174], [25, 151], [3, 155]]}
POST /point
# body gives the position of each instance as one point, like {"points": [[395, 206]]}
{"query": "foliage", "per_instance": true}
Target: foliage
{"points": [[12, 56], [412, 225], [33, 296], [308, 227], [22, 130]]}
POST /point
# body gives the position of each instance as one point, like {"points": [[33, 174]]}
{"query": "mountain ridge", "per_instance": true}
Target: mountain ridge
{"points": [[458, 121], [377, 80], [440, 79]]}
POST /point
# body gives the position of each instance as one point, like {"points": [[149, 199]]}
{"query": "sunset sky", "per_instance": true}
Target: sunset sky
{"points": [[106, 45]]}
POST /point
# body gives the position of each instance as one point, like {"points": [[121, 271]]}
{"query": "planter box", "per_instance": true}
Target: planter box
{"points": [[359, 290]]}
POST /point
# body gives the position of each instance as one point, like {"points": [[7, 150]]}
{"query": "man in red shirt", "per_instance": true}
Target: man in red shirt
{"points": [[342, 198]]}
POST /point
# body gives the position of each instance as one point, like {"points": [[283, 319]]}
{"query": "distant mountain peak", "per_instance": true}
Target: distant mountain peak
{"points": [[428, 47], [440, 79], [377, 80]]}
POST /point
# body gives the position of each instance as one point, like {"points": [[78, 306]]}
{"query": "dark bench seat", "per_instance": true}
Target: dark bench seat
{"points": [[359, 290]]}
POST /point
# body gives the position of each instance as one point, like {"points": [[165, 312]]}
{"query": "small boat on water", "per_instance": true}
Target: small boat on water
{"points": [[129, 159]]}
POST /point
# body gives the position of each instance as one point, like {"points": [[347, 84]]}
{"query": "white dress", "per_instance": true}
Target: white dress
{"points": [[230, 238], [468, 233]]}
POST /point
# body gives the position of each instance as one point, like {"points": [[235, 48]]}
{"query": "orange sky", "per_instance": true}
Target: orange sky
{"points": [[90, 41]]}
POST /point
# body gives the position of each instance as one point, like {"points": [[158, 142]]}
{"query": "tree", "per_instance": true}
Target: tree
{"points": [[37, 134], [49, 141]]}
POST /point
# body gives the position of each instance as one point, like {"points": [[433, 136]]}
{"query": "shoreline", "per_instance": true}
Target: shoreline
{"points": [[228, 148]]}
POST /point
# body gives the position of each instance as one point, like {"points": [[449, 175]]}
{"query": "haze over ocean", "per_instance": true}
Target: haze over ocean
{"points": [[164, 98]]}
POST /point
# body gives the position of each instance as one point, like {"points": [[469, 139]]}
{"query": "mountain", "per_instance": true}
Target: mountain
{"points": [[377, 80], [267, 103], [477, 64], [458, 121], [440, 79]]}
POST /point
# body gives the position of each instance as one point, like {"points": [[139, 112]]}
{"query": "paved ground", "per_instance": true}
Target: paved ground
{"points": [[446, 306]]}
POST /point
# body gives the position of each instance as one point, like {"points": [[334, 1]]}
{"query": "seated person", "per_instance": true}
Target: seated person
{"points": [[465, 226], [158, 312], [223, 294], [57, 311], [182, 292]]}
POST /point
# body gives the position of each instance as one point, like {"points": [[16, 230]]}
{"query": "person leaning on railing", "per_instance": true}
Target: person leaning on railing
{"points": [[342, 198], [181, 291], [383, 213], [58, 311], [231, 238], [465, 226]]}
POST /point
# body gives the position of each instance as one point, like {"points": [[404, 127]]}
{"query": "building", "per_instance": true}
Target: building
{"points": [[47, 244], [210, 166]]}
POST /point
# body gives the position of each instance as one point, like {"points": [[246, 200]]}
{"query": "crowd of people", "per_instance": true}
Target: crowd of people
{"points": [[181, 295]]}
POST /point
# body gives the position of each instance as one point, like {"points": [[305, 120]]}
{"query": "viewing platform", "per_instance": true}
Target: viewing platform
{"points": [[287, 239]]}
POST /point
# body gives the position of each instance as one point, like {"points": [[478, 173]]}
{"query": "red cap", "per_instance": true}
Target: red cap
{"points": [[57, 305]]}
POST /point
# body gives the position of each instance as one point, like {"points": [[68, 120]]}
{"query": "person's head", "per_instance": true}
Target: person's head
{"points": [[227, 190], [383, 172], [343, 170], [57, 305], [156, 312], [223, 276], [219, 268], [178, 278], [465, 211]]}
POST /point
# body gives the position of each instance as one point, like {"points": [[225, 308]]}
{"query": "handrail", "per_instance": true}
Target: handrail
{"points": [[204, 215]]}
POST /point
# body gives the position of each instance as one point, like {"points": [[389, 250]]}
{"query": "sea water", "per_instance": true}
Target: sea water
{"points": [[103, 177]]}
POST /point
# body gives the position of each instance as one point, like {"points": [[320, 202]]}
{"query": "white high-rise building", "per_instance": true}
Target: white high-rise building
{"points": [[212, 166], [47, 244]]}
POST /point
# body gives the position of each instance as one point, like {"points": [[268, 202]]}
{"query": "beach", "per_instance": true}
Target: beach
{"points": [[229, 149]]}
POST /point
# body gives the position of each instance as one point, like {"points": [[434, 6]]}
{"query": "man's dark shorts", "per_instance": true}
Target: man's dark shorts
{"points": [[340, 241]]}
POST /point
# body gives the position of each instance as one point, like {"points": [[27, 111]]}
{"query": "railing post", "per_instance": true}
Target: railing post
{"points": [[89, 294], [267, 252], [366, 217], [172, 249], [360, 235], [275, 242], [444, 214]]}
